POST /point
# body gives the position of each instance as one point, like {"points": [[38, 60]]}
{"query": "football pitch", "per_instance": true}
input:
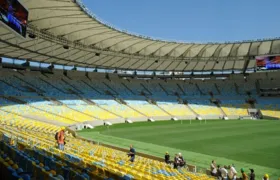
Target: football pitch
{"points": [[244, 143]]}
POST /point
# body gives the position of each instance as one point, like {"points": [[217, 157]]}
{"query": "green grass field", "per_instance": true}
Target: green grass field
{"points": [[247, 143]]}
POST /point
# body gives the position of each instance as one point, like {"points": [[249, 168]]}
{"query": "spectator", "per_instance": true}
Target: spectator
{"points": [[219, 172], [61, 138], [244, 175], [131, 153], [176, 161], [252, 174], [232, 172], [224, 173], [266, 177], [167, 158], [182, 161], [213, 168]]}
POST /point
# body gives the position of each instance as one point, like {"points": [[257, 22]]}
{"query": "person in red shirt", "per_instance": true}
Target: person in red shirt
{"points": [[60, 139]]}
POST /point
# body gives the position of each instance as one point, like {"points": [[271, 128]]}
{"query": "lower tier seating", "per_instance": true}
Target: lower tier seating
{"points": [[149, 110], [235, 108], [176, 109], [205, 108], [269, 107], [34, 152]]}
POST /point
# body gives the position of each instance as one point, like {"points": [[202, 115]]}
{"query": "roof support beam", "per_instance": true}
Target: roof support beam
{"points": [[246, 63]]}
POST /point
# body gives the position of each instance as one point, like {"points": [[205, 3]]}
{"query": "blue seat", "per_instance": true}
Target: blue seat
{"points": [[10, 171], [25, 177], [127, 177], [29, 165], [79, 177], [86, 176], [66, 173], [15, 176]]}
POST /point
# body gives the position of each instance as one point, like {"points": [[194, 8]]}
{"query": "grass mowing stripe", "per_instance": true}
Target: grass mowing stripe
{"points": [[247, 143]]}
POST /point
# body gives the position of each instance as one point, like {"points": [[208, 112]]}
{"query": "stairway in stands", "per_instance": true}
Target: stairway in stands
{"points": [[185, 102], [166, 92], [13, 99], [50, 84], [72, 86], [124, 103], [190, 109], [77, 111], [91, 87], [221, 109], [20, 101], [181, 89], [30, 86], [153, 102], [91, 102], [128, 88]]}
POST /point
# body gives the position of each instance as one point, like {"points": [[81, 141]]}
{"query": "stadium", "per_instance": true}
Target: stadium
{"points": [[76, 93]]}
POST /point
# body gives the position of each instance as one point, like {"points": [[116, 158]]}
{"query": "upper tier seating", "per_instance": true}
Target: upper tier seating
{"points": [[226, 90], [190, 89], [57, 98], [207, 87], [119, 86], [246, 86], [172, 87]]}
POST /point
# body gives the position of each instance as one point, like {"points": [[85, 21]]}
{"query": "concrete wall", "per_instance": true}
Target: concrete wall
{"points": [[76, 74]]}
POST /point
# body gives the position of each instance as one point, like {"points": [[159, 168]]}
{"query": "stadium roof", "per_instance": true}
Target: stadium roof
{"points": [[60, 24]]}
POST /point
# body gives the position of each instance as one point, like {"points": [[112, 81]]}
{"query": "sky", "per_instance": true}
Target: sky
{"points": [[192, 20]]}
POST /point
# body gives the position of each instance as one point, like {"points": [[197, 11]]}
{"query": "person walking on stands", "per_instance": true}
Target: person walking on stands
{"points": [[61, 139], [182, 161], [167, 158], [131, 153], [176, 161]]}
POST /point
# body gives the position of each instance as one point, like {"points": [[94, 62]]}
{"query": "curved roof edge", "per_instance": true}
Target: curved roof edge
{"points": [[109, 25]]}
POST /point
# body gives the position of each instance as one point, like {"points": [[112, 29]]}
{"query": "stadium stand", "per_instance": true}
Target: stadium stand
{"points": [[269, 107], [205, 108], [27, 150], [177, 110], [235, 108], [86, 72], [75, 100]]}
